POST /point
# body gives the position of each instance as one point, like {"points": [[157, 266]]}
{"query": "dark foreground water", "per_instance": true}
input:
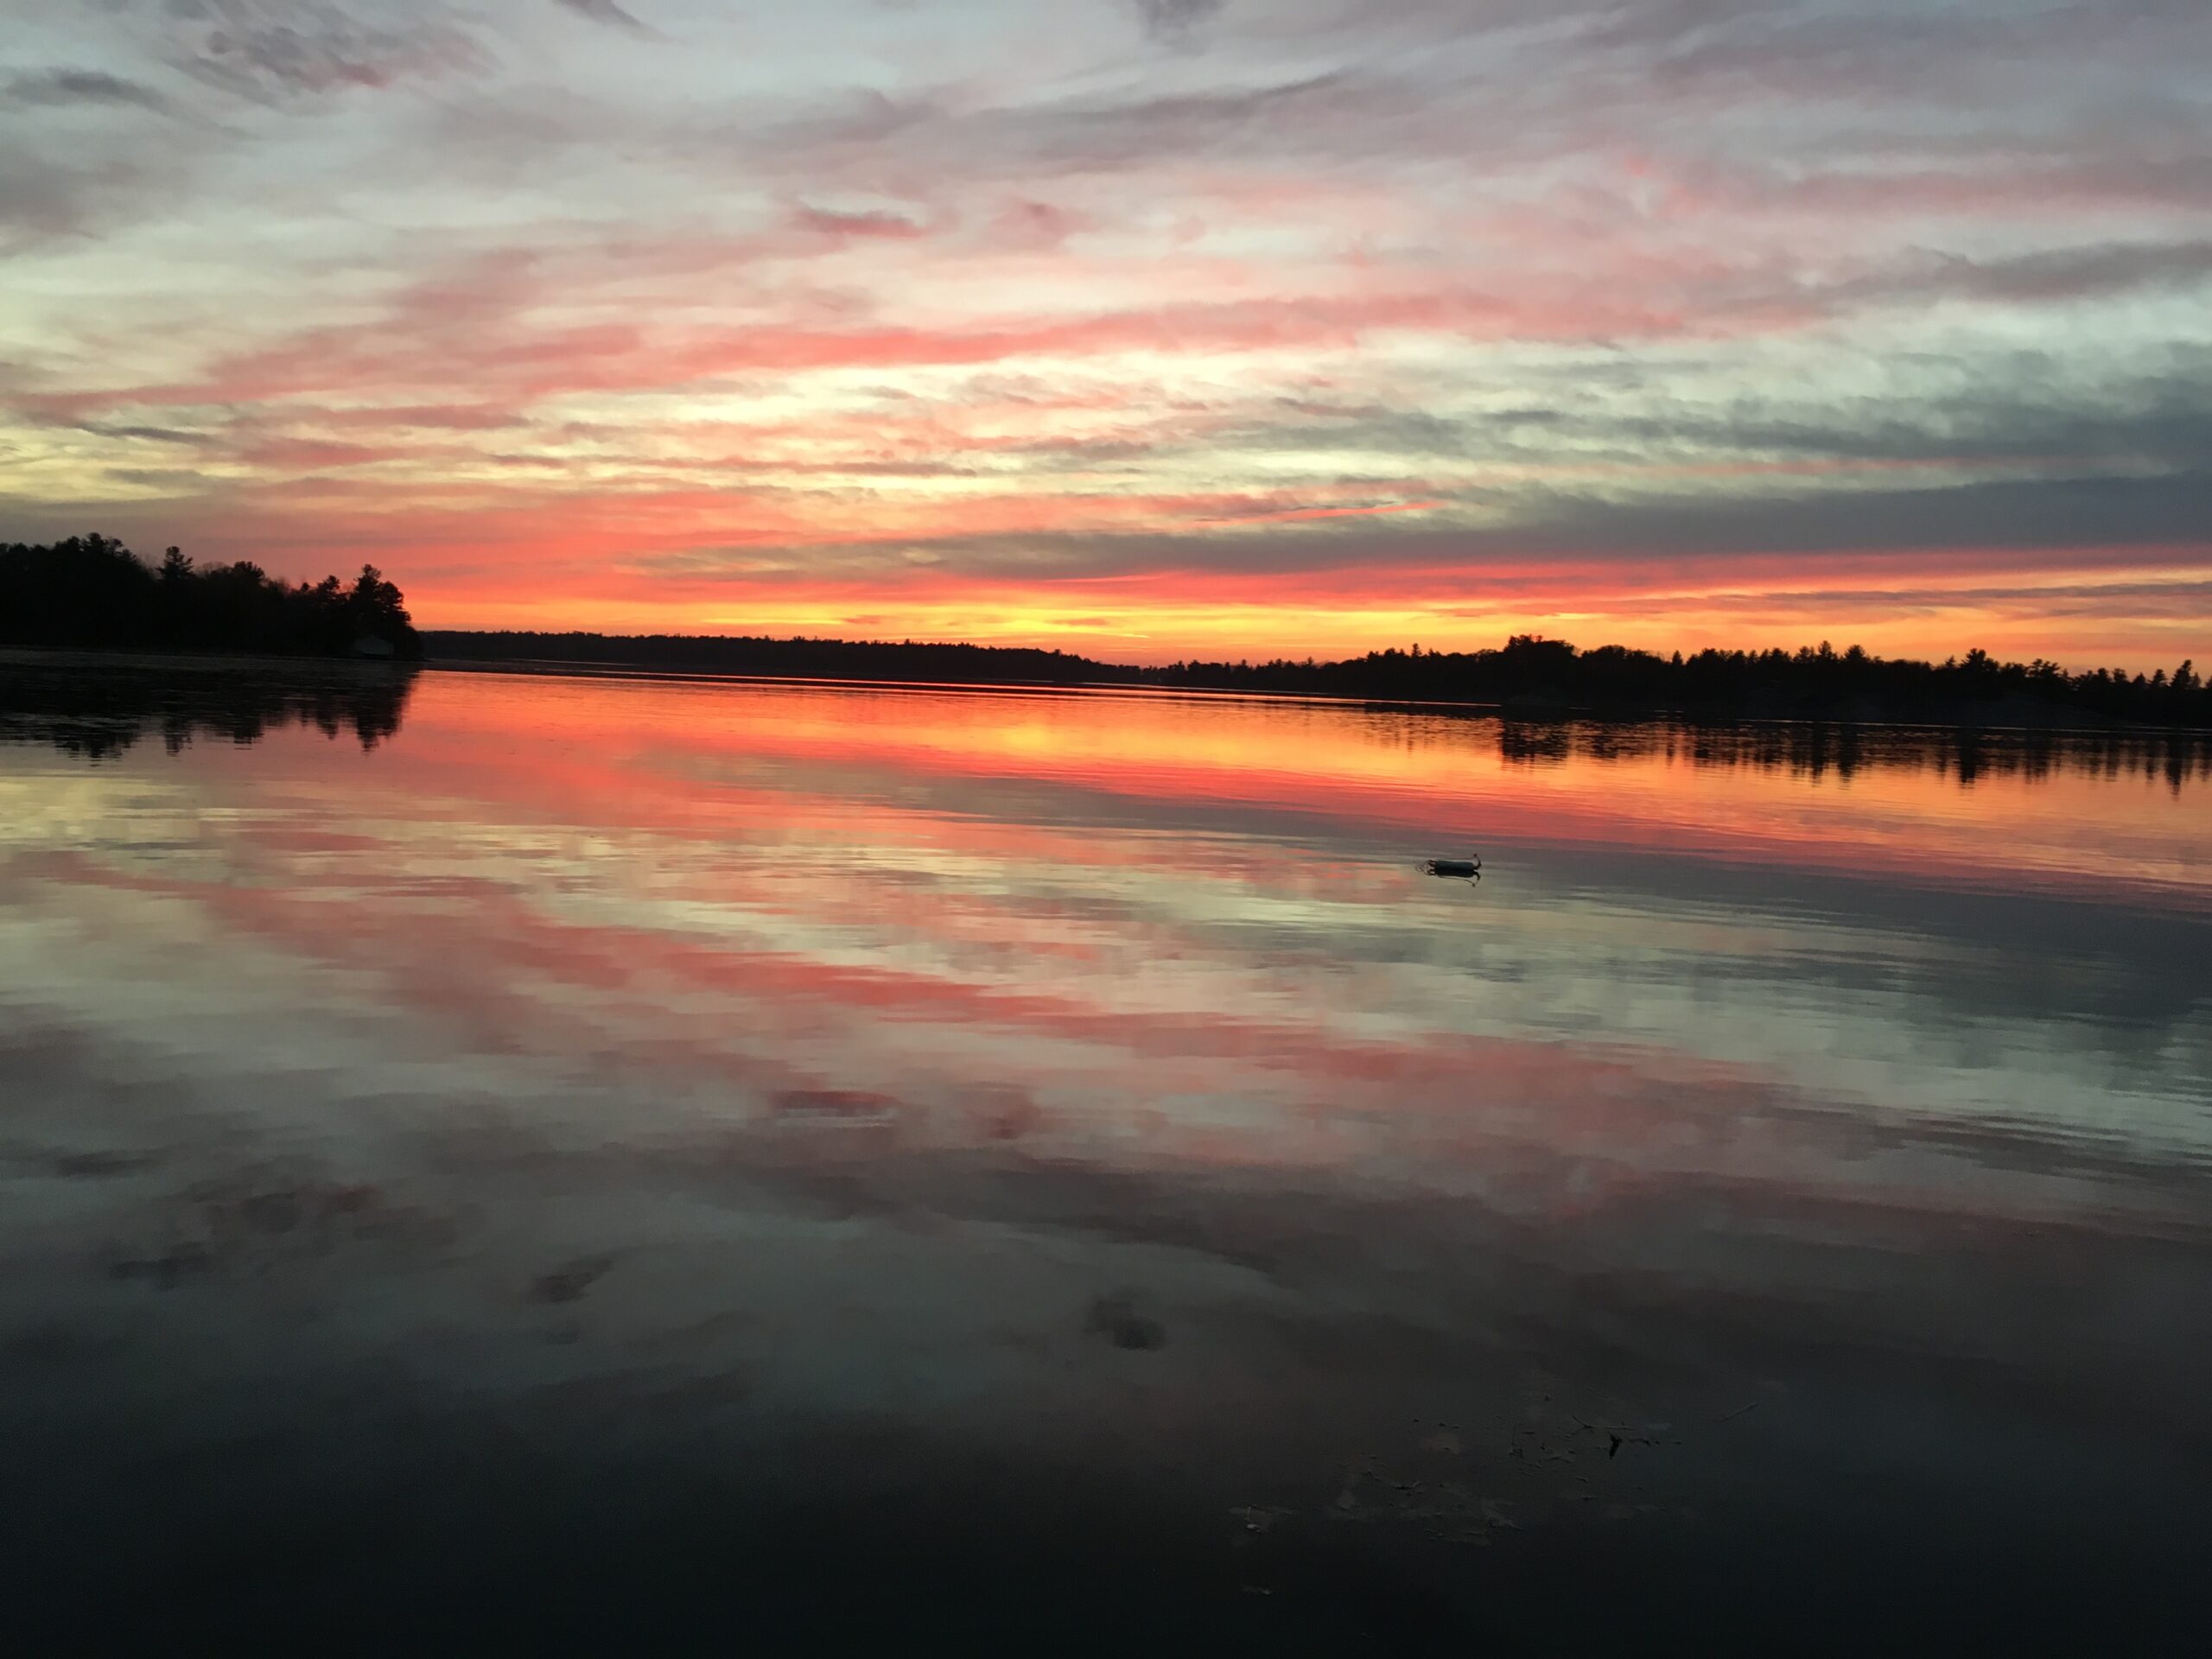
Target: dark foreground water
{"points": [[587, 1165]]}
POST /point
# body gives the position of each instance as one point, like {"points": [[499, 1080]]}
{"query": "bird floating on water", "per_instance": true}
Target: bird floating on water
{"points": [[1470, 868]]}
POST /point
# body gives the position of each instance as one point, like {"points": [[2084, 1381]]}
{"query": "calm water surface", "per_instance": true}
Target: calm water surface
{"points": [[603, 1162]]}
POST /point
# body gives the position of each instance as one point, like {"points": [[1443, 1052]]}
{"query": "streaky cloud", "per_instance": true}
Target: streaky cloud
{"points": [[67, 87], [888, 295], [1173, 20], [262, 48], [608, 12]]}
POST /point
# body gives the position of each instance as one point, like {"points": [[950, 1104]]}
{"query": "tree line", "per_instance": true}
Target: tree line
{"points": [[1536, 674], [92, 592], [798, 659], [1528, 674]]}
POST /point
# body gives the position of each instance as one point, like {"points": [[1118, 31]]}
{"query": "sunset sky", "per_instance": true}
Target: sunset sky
{"points": [[1143, 327]]}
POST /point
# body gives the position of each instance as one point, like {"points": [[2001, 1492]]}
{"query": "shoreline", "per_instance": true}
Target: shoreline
{"points": [[206, 661], [1545, 713]]}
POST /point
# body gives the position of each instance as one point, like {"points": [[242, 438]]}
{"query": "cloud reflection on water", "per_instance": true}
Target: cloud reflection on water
{"points": [[859, 1041]]}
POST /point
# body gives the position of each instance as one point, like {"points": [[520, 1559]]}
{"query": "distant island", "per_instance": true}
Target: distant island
{"points": [[92, 592]]}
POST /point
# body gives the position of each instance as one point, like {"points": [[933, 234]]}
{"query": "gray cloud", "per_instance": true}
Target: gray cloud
{"points": [[1175, 19], [877, 223], [147, 434], [2079, 273], [38, 197], [67, 87], [607, 12], [2059, 523], [41, 199], [1340, 103], [2163, 424], [2083, 518], [265, 48], [1340, 115]]}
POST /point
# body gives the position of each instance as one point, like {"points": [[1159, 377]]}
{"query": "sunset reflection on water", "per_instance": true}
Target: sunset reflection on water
{"points": [[836, 1055]]}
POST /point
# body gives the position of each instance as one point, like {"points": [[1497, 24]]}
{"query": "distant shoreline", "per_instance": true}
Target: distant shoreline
{"points": [[554, 669], [1529, 680], [557, 669], [343, 669]]}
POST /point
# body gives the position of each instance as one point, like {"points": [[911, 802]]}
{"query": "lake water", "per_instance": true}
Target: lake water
{"points": [[612, 1163]]}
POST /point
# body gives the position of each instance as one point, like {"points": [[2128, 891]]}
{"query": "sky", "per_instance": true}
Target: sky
{"points": [[1147, 328]]}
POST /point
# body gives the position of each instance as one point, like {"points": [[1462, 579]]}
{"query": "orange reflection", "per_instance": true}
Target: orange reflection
{"points": [[1425, 783], [1141, 931]]}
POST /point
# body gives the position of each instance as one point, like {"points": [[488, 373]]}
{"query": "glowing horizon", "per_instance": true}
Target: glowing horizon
{"points": [[1147, 328]]}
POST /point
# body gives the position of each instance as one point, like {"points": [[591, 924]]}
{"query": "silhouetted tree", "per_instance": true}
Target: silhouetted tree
{"points": [[1813, 682], [91, 592]]}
